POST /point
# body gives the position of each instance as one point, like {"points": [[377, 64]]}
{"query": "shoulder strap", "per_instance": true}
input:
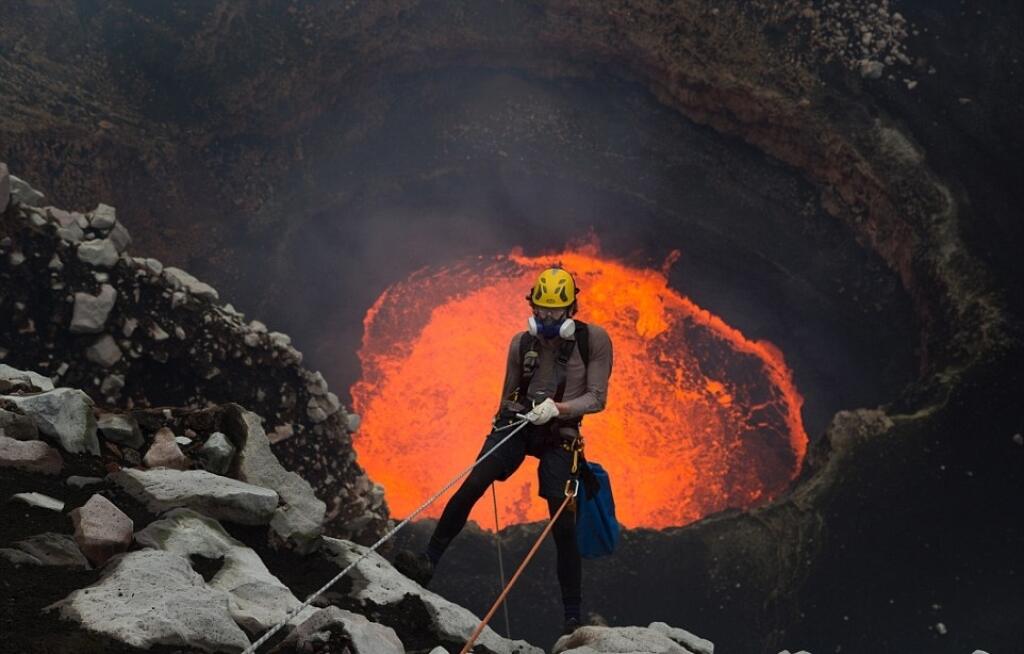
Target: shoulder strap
{"points": [[527, 364], [583, 341]]}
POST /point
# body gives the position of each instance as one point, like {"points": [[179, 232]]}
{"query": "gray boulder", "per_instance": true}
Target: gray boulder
{"points": [[694, 643], [120, 238], [102, 217], [101, 253], [258, 599], [104, 352], [64, 414], [180, 279], [376, 584], [12, 379], [30, 456], [299, 521], [101, 529], [151, 597], [165, 453], [23, 193], [366, 637], [52, 549], [617, 640], [218, 497], [120, 429], [90, 312], [217, 453]]}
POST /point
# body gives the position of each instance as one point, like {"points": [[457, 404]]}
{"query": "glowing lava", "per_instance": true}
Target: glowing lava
{"points": [[699, 418]]}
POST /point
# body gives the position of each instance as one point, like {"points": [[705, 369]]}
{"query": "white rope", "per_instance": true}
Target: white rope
{"points": [[291, 614]]}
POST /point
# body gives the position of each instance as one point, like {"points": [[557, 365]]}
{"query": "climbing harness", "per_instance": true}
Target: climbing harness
{"points": [[572, 484], [383, 539], [501, 564]]}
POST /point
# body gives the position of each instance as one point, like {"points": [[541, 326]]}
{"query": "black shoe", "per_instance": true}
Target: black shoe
{"points": [[571, 625], [416, 566]]}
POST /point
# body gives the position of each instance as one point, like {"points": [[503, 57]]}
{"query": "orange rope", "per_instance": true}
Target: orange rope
{"points": [[522, 566]]}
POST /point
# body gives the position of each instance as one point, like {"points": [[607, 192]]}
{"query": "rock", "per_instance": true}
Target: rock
{"points": [[53, 549], [91, 311], [12, 379], [153, 265], [103, 217], [366, 637], [30, 456], [871, 69], [617, 640], [24, 194], [112, 385], [104, 352], [258, 599], [120, 237], [64, 414], [72, 233], [280, 433], [17, 426], [5, 187], [39, 501], [376, 584], [352, 422], [694, 643], [17, 557], [76, 481], [181, 279], [165, 453], [299, 521], [101, 253], [218, 497], [217, 453], [139, 586], [120, 429], [101, 529]]}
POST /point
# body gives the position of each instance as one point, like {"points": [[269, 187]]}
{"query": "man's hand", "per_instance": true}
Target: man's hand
{"points": [[543, 412]]}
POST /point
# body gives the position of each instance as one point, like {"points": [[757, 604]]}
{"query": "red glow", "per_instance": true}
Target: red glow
{"points": [[699, 418]]}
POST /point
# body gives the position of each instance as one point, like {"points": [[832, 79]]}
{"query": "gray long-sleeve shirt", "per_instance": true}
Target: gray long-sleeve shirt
{"points": [[586, 387]]}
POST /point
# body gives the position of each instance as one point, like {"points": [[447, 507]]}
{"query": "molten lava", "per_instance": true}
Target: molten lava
{"points": [[699, 418]]}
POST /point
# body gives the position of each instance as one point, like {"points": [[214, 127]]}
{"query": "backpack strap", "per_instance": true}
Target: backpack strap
{"points": [[528, 359]]}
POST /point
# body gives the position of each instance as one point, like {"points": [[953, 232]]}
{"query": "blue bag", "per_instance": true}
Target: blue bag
{"points": [[597, 530]]}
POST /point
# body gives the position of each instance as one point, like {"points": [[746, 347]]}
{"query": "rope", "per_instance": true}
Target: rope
{"points": [[383, 539], [501, 564], [522, 566]]}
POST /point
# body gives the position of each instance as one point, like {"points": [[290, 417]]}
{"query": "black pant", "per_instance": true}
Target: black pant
{"points": [[501, 465]]}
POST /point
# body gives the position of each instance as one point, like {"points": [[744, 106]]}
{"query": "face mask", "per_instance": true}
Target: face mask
{"points": [[551, 327]]}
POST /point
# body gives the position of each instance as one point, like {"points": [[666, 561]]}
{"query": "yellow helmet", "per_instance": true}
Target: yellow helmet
{"points": [[555, 288]]}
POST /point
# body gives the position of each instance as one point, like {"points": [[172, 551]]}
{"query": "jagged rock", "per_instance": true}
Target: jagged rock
{"points": [[181, 279], [65, 414], [120, 237], [39, 501], [103, 217], [77, 481], [112, 385], [5, 187], [30, 456], [258, 599], [17, 426], [123, 430], [692, 642], [617, 640], [299, 521], [12, 379], [165, 453], [72, 233], [23, 193], [218, 497], [375, 583], [53, 549], [217, 453], [101, 253], [17, 557], [101, 529], [104, 352], [352, 422], [151, 597], [91, 311], [366, 637]]}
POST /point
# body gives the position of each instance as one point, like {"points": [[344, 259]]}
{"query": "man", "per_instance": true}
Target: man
{"points": [[557, 371]]}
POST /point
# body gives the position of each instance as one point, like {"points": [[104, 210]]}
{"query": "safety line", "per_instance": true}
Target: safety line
{"points": [[383, 539]]}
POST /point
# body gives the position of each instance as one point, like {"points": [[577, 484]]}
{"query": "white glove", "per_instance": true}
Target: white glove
{"points": [[543, 412]]}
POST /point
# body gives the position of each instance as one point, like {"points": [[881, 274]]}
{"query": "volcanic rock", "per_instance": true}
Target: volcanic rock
{"points": [[12, 379], [165, 453], [30, 456], [181, 279], [365, 637], [258, 599], [299, 521], [65, 414], [101, 253], [39, 501], [218, 497], [78, 481], [121, 429], [104, 352], [617, 640], [101, 529], [17, 426], [51, 549], [151, 597], [103, 217], [393, 597], [23, 193], [694, 643], [217, 453], [91, 311]]}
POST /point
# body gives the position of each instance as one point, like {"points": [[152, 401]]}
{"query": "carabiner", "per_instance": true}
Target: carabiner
{"points": [[575, 483]]}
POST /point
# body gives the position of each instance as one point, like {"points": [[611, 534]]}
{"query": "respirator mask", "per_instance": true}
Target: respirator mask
{"points": [[549, 324]]}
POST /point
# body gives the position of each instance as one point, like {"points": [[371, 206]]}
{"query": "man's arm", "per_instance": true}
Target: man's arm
{"points": [[598, 371]]}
